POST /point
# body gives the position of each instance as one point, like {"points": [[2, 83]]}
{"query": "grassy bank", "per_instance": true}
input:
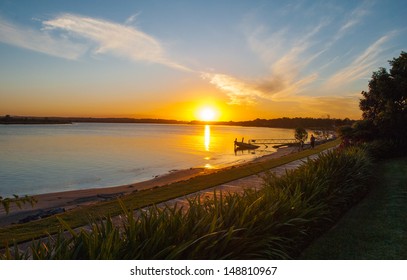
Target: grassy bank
{"points": [[273, 223], [377, 227], [81, 216]]}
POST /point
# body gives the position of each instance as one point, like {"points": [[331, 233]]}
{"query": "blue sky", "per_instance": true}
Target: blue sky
{"points": [[166, 59]]}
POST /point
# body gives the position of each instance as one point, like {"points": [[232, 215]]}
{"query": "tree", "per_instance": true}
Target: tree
{"points": [[385, 104], [301, 135]]}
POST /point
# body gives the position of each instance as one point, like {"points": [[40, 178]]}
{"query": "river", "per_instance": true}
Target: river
{"points": [[37, 159]]}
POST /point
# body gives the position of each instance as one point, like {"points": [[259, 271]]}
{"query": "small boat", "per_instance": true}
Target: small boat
{"points": [[245, 146]]}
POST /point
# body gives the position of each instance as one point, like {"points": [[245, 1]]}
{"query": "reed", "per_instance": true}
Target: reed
{"points": [[272, 223]]}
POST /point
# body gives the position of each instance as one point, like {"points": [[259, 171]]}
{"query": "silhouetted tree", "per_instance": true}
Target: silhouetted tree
{"points": [[301, 135], [384, 106]]}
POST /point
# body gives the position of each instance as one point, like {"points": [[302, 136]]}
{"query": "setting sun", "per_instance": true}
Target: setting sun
{"points": [[207, 114]]}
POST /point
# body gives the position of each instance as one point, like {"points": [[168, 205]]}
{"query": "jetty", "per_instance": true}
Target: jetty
{"points": [[274, 142], [244, 146], [255, 143]]}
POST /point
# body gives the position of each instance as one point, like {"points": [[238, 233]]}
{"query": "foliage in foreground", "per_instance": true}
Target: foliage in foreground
{"points": [[273, 223], [18, 201]]}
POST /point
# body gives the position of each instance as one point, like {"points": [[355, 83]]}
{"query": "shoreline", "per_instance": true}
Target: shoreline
{"points": [[68, 200]]}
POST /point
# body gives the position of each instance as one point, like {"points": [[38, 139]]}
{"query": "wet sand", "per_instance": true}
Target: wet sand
{"points": [[77, 198]]}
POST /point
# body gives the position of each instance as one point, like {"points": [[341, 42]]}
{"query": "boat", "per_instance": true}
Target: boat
{"points": [[245, 146]]}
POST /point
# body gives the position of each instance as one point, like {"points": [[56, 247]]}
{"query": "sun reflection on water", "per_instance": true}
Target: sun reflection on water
{"points": [[207, 142], [208, 166], [207, 137]]}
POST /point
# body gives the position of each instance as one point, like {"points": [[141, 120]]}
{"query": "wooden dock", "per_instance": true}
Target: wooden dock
{"points": [[275, 142], [272, 141]]}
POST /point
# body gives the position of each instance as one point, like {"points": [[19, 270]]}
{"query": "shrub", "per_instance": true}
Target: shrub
{"points": [[386, 148]]}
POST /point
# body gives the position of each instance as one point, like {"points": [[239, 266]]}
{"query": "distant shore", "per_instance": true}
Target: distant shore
{"points": [[68, 200], [7, 120], [310, 123]]}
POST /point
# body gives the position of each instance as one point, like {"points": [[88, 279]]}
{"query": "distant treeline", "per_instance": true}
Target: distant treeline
{"points": [[69, 120], [32, 120], [124, 120], [312, 123], [295, 122]]}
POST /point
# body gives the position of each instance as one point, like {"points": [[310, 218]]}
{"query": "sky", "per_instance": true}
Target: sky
{"points": [[237, 60]]}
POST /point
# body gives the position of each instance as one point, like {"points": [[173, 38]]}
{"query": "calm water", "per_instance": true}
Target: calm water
{"points": [[38, 159]]}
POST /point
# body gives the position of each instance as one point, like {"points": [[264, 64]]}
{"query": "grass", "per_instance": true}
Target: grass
{"points": [[374, 229], [19, 201], [272, 223], [81, 216]]}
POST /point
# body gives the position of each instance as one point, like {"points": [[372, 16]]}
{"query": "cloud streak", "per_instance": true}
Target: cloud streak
{"points": [[354, 18], [362, 65], [290, 56], [249, 92], [237, 90], [71, 36], [39, 41], [351, 20], [109, 37], [284, 81], [254, 91]]}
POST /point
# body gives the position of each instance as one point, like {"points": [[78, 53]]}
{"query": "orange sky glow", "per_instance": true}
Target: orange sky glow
{"points": [[242, 59]]}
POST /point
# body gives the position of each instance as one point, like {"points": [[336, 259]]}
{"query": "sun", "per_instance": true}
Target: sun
{"points": [[207, 114]]}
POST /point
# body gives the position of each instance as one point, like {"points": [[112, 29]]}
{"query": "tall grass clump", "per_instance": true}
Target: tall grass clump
{"points": [[272, 223], [318, 192]]}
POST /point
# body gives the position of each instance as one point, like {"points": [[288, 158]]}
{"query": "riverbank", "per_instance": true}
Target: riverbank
{"points": [[69, 200], [81, 215], [272, 223]]}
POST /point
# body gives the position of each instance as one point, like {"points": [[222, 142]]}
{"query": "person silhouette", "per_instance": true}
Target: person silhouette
{"points": [[312, 141]]}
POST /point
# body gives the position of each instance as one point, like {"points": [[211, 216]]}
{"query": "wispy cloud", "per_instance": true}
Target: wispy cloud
{"points": [[351, 20], [71, 36], [250, 91], [362, 65], [237, 90], [109, 37], [267, 47], [354, 18], [39, 41], [132, 19], [285, 60], [289, 51]]}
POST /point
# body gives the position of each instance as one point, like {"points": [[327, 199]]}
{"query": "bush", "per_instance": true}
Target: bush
{"points": [[386, 148]]}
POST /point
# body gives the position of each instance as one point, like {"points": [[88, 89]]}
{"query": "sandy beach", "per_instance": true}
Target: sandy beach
{"points": [[65, 201]]}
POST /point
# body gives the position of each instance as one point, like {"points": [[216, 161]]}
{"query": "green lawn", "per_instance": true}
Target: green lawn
{"points": [[376, 228]]}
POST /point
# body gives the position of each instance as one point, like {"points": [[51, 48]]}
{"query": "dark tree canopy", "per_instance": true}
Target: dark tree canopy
{"points": [[300, 134], [385, 104]]}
